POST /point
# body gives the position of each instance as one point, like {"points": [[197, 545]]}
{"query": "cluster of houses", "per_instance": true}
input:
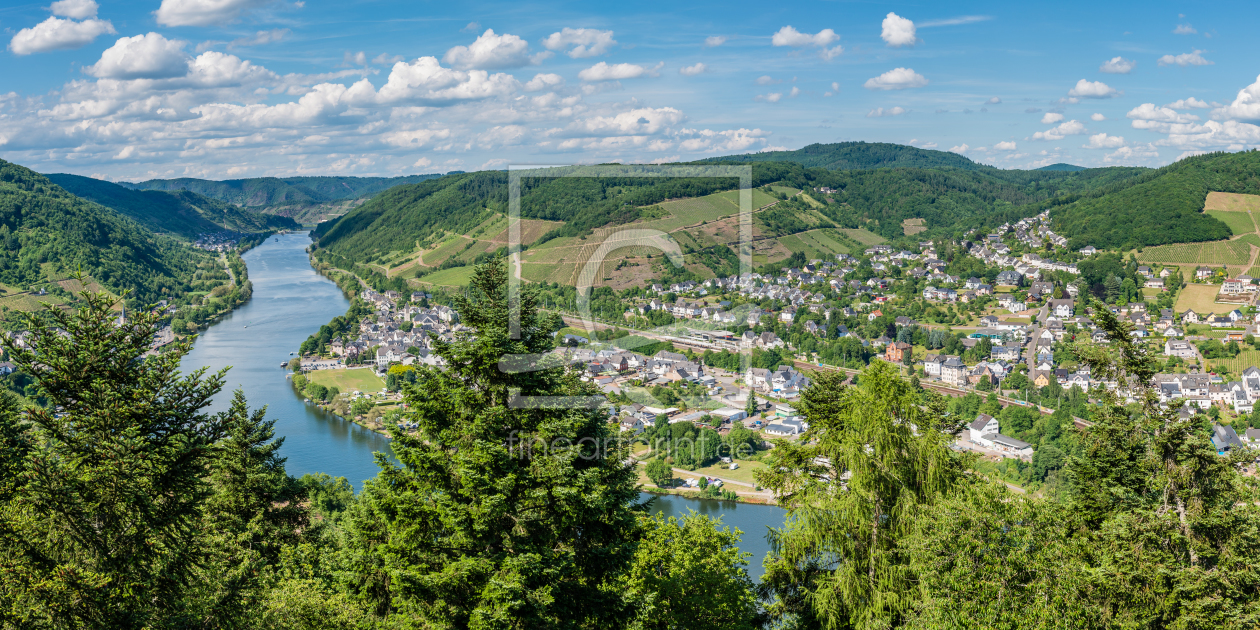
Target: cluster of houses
{"points": [[217, 241], [399, 330]]}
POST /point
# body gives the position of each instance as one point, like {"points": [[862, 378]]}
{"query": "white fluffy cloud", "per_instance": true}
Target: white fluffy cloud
{"points": [[897, 31], [543, 81], [693, 70], [880, 112], [204, 12], [1246, 106], [1185, 59], [714, 41], [1104, 141], [603, 71], [1093, 89], [789, 36], [1184, 29], [1069, 128], [580, 42], [1006, 145], [772, 97], [896, 79], [1096, 117], [1118, 65], [1133, 155], [993, 100], [148, 56], [961, 148], [1151, 117], [58, 34], [1190, 103], [490, 51], [1051, 117], [75, 9]]}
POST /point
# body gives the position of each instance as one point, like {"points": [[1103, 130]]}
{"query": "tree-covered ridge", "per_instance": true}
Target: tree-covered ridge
{"points": [[42, 223], [1163, 206], [180, 212], [264, 191], [860, 155]]}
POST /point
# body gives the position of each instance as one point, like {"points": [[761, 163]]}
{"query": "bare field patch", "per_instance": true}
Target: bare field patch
{"points": [[1232, 202], [913, 226], [1202, 299]]}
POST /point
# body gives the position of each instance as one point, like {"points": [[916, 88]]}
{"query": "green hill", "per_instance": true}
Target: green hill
{"points": [[268, 191], [49, 233], [179, 212], [1061, 166], [860, 155], [1161, 206]]}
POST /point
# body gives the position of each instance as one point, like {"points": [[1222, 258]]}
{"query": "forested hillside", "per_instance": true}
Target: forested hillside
{"points": [[1162, 206], [860, 155], [265, 191], [48, 232], [179, 212]]}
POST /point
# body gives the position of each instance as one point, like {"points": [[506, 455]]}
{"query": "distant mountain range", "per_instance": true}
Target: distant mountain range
{"points": [[271, 191], [1062, 167], [180, 212]]}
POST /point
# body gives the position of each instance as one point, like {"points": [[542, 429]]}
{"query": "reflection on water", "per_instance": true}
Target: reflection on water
{"points": [[290, 302], [752, 519]]}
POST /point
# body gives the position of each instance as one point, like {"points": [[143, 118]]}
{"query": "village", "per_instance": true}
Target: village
{"points": [[1003, 325]]}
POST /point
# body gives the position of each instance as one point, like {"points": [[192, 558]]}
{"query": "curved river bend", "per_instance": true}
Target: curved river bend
{"points": [[290, 302]]}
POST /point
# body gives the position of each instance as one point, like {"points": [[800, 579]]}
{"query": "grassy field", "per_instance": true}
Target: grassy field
{"points": [[456, 277], [359, 379], [744, 473], [1201, 298], [785, 189], [812, 202], [1238, 222], [864, 236], [759, 198], [1232, 202]]}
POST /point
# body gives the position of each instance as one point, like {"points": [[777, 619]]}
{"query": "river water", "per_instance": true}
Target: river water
{"points": [[291, 302]]}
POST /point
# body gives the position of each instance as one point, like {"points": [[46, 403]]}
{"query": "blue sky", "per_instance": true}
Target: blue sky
{"points": [[242, 88]]}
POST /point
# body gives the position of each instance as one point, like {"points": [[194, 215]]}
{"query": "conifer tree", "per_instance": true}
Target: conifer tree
{"points": [[837, 562], [501, 512], [100, 526]]}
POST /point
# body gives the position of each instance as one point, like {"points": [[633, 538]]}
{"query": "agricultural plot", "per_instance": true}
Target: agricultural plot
{"points": [[455, 277], [913, 226], [864, 236], [1238, 222], [1201, 298], [1236, 365], [787, 190], [1184, 253], [759, 198], [811, 201], [1225, 253], [1232, 202]]}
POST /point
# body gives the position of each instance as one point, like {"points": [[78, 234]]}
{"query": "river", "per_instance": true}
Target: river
{"points": [[290, 302]]}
